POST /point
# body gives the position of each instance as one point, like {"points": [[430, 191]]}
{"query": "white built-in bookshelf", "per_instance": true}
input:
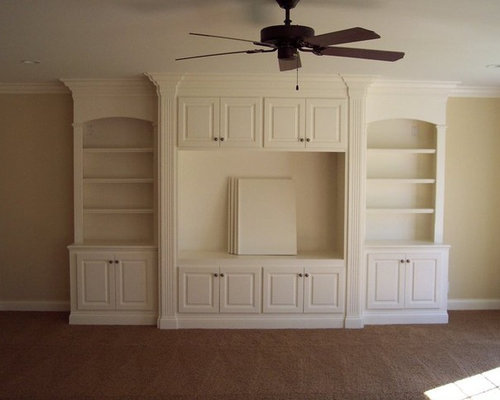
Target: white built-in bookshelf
{"points": [[401, 181], [118, 181]]}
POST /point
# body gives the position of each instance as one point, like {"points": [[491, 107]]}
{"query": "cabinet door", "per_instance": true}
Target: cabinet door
{"points": [[284, 123], [386, 280], [240, 289], [199, 289], [283, 290], [198, 122], [324, 289], [326, 126], [423, 280], [241, 122], [95, 281], [135, 288]]}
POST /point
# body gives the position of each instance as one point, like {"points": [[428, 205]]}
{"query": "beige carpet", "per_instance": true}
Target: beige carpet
{"points": [[42, 357]]}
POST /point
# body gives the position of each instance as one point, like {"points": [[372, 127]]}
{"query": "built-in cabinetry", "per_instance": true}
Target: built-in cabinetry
{"points": [[406, 262], [113, 286], [118, 177], [303, 289], [113, 267], [406, 284], [222, 290], [240, 122], [214, 289]]}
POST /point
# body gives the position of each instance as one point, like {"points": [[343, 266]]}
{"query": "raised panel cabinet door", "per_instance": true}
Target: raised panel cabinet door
{"points": [[423, 280], [386, 278], [283, 290], [199, 289], [284, 125], [326, 124], [240, 289], [241, 122], [135, 281], [95, 281], [198, 122], [324, 289]]}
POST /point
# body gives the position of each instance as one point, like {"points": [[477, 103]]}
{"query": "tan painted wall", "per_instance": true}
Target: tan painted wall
{"points": [[36, 217], [36, 196], [472, 197]]}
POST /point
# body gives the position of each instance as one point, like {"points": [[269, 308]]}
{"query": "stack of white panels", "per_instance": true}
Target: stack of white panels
{"points": [[262, 216]]}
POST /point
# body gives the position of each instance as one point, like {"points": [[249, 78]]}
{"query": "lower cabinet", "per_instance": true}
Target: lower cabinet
{"points": [[407, 280], [303, 289], [214, 289], [253, 289], [113, 287]]}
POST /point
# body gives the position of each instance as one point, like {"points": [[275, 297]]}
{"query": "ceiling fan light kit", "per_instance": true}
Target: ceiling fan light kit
{"points": [[289, 39]]}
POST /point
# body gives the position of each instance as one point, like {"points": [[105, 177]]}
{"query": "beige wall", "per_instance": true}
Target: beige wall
{"points": [[36, 180], [472, 198], [36, 218]]}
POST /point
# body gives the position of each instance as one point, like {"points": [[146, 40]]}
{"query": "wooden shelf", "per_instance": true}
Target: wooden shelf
{"points": [[401, 150], [402, 180], [118, 211], [118, 150], [117, 180], [400, 210]]}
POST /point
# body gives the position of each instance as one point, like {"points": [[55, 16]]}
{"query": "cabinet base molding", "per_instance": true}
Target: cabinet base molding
{"points": [[114, 318], [167, 323], [406, 318], [245, 322], [354, 323]]}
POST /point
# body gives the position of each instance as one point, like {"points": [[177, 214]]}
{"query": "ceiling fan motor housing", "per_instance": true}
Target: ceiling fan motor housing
{"points": [[287, 38]]}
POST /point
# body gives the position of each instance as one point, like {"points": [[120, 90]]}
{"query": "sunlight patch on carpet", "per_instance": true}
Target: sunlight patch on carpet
{"points": [[485, 386]]}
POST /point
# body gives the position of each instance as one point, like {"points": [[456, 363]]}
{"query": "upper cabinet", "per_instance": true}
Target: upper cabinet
{"points": [[296, 124], [285, 124], [206, 122]]}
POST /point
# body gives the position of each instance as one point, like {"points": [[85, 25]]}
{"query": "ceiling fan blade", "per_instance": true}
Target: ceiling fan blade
{"points": [[227, 53], [381, 55], [288, 64], [346, 36], [231, 38]]}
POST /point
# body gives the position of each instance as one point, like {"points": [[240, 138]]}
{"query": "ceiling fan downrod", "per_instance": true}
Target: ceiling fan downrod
{"points": [[287, 5]]}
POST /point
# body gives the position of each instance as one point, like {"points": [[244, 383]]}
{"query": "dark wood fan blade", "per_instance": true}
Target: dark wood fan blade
{"points": [[346, 36], [231, 38], [227, 53], [287, 64], [381, 55]]}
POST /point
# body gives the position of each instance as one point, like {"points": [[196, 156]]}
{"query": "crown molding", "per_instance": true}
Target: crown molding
{"points": [[391, 87], [476, 91], [110, 87], [33, 88]]}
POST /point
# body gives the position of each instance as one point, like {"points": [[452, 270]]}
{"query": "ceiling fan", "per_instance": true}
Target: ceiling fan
{"points": [[289, 39]]}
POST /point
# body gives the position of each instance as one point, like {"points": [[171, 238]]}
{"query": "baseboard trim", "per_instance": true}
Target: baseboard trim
{"points": [[474, 304], [6, 305], [112, 318]]}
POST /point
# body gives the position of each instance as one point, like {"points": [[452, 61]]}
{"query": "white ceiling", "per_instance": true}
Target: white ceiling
{"points": [[452, 40]]}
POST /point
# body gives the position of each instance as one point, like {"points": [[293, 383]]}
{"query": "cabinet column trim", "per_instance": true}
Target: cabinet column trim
{"points": [[167, 204], [78, 181], [355, 211], [440, 168]]}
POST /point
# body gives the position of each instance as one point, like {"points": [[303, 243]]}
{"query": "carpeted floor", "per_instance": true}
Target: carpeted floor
{"points": [[42, 357]]}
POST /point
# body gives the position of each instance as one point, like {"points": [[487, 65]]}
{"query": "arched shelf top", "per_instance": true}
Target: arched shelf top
{"points": [[401, 133], [118, 132]]}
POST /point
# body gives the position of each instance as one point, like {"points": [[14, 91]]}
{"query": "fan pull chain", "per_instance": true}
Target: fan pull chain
{"points": [[297, 76]]}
